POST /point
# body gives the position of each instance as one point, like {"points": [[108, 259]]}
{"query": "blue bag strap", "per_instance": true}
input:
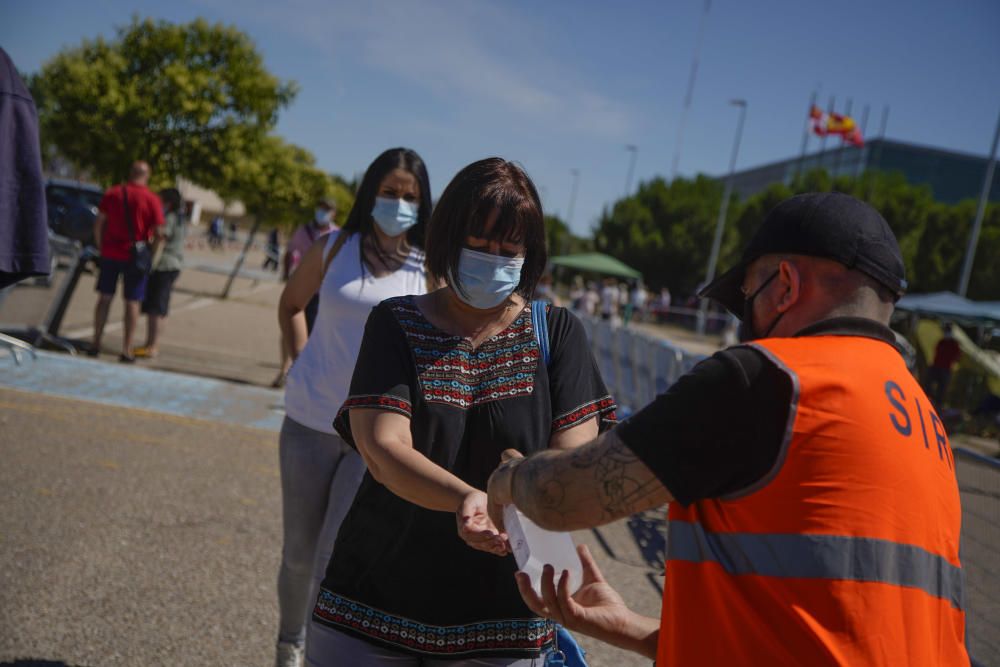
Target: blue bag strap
{"points": [[540, 324], [565, 651]]}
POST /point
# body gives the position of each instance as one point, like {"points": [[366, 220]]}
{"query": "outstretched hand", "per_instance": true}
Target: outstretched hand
{"points": [[475, 527], [596, 609]]}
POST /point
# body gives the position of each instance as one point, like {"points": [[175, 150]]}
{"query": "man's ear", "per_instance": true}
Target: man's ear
{"points": [[790, 281]]}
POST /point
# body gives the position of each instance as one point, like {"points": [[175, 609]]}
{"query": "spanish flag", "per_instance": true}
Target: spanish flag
{"points": [[824, 124], [816, 118], [839, 124]]}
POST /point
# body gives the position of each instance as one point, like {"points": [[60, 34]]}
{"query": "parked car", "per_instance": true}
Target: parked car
{"points": [[72, 208]]}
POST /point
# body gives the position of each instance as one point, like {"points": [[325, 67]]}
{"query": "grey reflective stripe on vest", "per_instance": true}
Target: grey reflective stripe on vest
{"points": [[810, 556]]}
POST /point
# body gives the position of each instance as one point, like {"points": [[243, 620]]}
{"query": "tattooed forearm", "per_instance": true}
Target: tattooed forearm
{"points": [[626, 484], [585, 487]]}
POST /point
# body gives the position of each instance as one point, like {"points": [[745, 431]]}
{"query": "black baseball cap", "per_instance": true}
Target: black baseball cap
{"points": [[819, 224]]}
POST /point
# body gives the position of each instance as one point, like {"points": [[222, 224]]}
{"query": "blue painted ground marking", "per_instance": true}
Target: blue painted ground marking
{"points": [[146, 389]]}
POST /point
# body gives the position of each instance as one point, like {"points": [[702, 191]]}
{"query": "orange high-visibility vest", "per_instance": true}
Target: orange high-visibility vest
{"points": [[846, 552]]}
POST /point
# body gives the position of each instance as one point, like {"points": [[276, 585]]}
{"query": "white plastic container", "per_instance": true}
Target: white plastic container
{"points": [[534, 547]]}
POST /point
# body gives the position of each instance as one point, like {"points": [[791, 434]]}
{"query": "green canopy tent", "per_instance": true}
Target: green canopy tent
{"points": [[596, 262]]}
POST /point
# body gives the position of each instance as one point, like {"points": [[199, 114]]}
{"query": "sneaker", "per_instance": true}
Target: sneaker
{"points": [[144, 352], [289, 655]]}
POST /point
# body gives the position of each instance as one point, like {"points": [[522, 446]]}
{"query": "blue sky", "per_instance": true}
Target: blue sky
{"points": [[566, 85]]}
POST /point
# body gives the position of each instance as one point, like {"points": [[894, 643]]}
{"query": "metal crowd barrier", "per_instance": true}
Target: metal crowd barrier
{"points": [[979, 485], [636, 367]]}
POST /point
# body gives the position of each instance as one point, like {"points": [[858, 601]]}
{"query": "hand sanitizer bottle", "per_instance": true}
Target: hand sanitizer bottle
{"points": [[534, 547]]}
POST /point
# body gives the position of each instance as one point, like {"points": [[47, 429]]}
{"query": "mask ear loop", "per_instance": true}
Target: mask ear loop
{"points": [[746, 322]]}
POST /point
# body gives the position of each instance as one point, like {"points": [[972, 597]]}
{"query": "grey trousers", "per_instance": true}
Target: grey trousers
{"points": [[320, 475], [327, 647]]}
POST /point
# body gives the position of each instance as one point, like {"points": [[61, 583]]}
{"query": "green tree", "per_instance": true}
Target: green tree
{"points": [[938, 260], [984, 283], [561, 241], [906, 207], [341, 192], [279, 183], [665, 231], [189, 98]]}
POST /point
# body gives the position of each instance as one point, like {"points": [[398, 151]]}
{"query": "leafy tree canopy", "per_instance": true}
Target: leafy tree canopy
{"points": [[665, 229], [188, 98], [280, 184], [561, 241]]}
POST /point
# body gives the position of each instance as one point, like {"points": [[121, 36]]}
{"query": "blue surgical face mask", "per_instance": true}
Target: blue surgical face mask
{"points": [[485, 281], [394, 216], [323, 217]]}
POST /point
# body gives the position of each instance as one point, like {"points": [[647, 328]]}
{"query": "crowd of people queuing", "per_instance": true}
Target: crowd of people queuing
{"points": [[424, 392], [814, 511], [420, 403]]}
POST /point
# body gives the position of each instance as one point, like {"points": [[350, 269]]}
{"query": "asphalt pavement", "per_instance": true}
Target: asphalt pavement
{"points": [[140, 505], [140, 520], [141, 537]]}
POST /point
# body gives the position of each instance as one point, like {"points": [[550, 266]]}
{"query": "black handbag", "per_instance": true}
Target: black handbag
{"points": [[141, 252]]}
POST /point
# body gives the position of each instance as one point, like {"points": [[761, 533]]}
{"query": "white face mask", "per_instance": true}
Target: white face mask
{"points": [[394, 216], [484, 280], [323, 217]]}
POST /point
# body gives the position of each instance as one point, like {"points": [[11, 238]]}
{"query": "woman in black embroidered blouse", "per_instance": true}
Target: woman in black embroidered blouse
{"points": [[443, 384]]}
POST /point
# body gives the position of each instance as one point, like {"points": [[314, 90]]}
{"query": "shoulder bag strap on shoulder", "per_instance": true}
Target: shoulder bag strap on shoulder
{"points": [[540, 324], [337, 245], [128, 218]]}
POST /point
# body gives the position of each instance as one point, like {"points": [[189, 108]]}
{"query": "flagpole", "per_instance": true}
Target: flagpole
{"points": [[575, 173], [692, 77], [970, 251], [861, 149], [634, 150], [840, 149], [713, 257], [805, 136], [878, 150], [822, 139]]}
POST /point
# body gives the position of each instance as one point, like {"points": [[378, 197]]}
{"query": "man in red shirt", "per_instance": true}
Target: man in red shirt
{"points": [[114, 236], [946, 355]]}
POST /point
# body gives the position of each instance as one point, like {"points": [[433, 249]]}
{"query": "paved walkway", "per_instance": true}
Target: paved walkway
{"points": [[150, 535], [141, 520]]}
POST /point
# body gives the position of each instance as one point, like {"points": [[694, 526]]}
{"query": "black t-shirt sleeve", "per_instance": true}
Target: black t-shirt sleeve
{"points": [[575, 384], [718, 429], [383, 375]]}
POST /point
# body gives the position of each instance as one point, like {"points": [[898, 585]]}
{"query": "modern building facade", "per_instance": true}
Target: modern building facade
{"points": [[951, 176]]}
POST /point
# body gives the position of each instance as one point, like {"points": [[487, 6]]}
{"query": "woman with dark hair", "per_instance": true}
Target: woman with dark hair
{"points": [[444, 382], [376, 255]]}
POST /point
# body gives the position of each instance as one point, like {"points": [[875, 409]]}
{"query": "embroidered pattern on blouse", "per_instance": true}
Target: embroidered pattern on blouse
{"points": [[531, 635], [385, 402], [450, 372], [605, 407]]}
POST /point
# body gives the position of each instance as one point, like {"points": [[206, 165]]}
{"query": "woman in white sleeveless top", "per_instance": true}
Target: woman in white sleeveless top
{"points": [[375, 256]]}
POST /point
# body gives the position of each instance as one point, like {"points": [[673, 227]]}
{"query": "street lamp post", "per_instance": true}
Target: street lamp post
{"points": [[720, 224], [634, 150], [970, 251], [572, 196]]}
